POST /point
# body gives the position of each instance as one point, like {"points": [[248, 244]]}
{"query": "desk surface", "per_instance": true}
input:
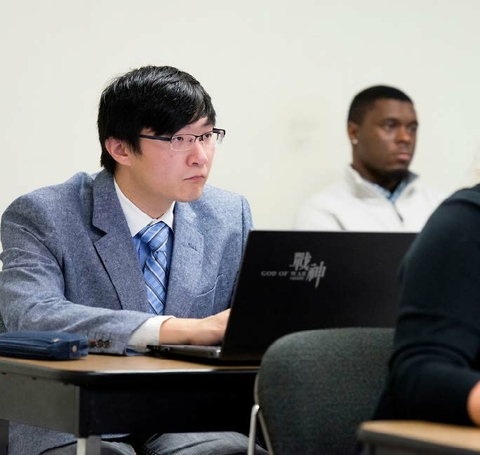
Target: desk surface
{"points": [[94, 367], [118, 364], [98, 394], [419, 437]]}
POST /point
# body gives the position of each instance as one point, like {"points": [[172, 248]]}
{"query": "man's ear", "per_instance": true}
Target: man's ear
{"points": [[118, 150], [352, 131]]}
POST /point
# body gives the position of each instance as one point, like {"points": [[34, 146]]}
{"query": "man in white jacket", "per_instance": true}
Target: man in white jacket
{"points": [[377, 192]]}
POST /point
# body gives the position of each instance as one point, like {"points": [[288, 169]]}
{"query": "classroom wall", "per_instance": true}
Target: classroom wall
{"points": [[281, 75]]}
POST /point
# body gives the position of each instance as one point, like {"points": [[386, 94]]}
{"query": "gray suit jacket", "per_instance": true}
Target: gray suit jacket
{"points": [[69, 264]]}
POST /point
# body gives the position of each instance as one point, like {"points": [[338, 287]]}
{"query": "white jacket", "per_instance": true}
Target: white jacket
{"points": [[353, 204]]}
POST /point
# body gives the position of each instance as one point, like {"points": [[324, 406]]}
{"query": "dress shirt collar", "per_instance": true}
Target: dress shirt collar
{"points": [[391, 195], [136, 218]]}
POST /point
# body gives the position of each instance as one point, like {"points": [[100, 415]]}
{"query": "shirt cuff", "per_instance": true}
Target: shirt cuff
{"points": [[147, 333]]}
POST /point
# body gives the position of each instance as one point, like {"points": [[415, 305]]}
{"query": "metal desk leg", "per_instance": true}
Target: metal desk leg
{"points": [[3, 437], [88, 446]]}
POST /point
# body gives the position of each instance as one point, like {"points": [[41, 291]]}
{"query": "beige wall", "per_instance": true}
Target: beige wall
{"points": [[281, 75]]}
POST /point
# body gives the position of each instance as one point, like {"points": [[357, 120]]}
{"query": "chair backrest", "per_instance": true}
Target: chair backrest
{"points": [[315, 387]]}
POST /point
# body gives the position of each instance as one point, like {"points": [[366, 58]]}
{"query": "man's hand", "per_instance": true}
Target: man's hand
{"points": [[207, 331]]}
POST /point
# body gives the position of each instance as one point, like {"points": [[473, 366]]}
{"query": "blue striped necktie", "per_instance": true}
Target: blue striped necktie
{"points": [[155, 270]]}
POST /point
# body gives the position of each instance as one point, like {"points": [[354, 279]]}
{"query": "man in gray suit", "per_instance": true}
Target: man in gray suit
{"points": [[73, 257]]}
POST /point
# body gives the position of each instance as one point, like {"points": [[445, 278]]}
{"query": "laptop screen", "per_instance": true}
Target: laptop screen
{"points": [[302, 280]]}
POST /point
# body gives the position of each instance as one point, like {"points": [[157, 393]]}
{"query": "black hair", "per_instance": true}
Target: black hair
{"points": [[364, 100], [161, 98]]}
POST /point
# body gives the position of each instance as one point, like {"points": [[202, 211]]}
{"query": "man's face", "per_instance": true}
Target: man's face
{"points": [[158, 176], [386, 141]]}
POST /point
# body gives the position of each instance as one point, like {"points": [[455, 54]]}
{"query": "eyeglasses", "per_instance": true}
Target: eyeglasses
{"points": [[184, 142]]}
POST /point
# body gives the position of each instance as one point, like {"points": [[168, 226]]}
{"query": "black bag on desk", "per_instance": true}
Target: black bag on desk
{"points": [[46, 345]]}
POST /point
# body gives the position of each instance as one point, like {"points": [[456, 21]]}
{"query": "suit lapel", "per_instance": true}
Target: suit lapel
{"points": [[116, 248], [186, 263]]}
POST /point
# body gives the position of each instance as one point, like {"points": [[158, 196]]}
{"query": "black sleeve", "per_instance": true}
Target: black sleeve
{"points": [[437, 339]]}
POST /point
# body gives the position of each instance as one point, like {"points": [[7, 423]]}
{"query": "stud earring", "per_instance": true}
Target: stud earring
{"points": [[354, 141]]}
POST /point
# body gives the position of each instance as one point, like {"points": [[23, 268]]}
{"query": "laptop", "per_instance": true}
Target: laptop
{"points": [[301, 280]]}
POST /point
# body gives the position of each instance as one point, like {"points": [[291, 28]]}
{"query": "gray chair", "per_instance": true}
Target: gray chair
{"points": [[2, 325], [314, 388]]}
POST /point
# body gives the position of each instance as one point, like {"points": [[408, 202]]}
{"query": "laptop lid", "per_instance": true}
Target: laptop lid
{"points": [[302, 280]]}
